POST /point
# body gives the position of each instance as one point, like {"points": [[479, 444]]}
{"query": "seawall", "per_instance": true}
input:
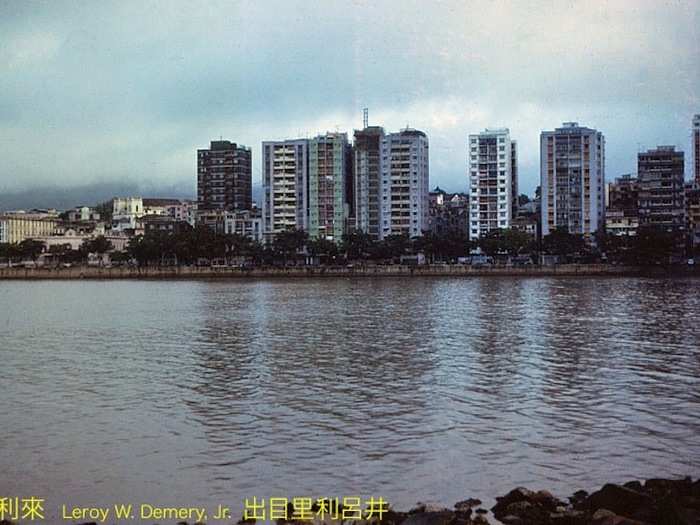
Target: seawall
{"points": [[194, 272]]}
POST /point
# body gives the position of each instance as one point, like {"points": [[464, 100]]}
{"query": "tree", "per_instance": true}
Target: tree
{"points": [[322, 248], [357, 245], [31, 249], [289, 243], [562, 243], [99, 245], [654, 246]]}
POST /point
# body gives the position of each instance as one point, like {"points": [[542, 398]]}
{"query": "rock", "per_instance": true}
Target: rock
{"points": [[427, 507], [515, 495], [670, 512], [601, 514], [467, 504], [429, 518], [481, 511], [578, 497], [546, 500], [663, 487], [480, 520], [569, 517], [511, 520], [619, 499], [634, 485]]}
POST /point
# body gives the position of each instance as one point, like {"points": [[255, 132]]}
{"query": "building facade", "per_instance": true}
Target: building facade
{"points": [[368, 179], [621, 206], [246, 224], [661, 188], [285, 171], [329, 165], [692, 213], [696, 148], [492, 168], [16, 227], [448, 213], [83, 214], [404, 207], [572, 179], [224, 177]]}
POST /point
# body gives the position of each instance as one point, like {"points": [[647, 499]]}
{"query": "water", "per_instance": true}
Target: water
{"points": [[438, 389]]}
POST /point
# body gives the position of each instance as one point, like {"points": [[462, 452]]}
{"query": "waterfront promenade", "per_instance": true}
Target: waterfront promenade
{"points": [[435, 270]]}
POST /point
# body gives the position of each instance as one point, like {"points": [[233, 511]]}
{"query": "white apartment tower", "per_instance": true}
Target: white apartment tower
{"points": [[572, 179], [696, 148], [404, 184], [285, 185], [493, 181]]}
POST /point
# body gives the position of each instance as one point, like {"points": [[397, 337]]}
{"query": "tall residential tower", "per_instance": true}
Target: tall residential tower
{"points": [[661, 188], [224, 177], [404, 207], [329, 168], [572, 178], [493, 176], [285, 185], [368, 179], [696, 148]]}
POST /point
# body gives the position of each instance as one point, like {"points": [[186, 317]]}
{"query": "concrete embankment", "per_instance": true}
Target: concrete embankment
{"points": [[194, 272]]}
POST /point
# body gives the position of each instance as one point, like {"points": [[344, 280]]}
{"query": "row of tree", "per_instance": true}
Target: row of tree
{"points": [[201, 243]]}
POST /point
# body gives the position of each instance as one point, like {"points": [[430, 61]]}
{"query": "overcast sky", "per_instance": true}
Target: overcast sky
{"points": [[105, 93]]}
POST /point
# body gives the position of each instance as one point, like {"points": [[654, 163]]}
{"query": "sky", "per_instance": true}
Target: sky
{"points": [[120, 95]]}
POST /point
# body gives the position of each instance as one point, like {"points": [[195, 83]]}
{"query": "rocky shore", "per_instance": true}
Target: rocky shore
{"points": [[655, 501]]}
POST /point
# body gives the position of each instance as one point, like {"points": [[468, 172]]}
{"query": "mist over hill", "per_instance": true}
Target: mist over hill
{"points": [[62, 198]]}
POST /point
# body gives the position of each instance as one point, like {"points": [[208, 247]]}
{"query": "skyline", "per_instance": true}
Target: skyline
{"points": [[124, 94]]}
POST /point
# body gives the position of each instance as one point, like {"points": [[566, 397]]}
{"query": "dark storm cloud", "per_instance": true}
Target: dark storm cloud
{"points": [[101, 93]]}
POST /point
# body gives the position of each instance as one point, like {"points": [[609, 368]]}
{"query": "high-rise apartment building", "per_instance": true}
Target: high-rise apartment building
{"points": [[572, 179], [285, 172], [661, 188], [330, 163], [224, 177], [404, 192], [368, 179], [493, 176], [696, 148]]}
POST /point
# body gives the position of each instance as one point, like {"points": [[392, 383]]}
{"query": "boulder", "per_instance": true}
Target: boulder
{"points": [[515, 495], [429, 518], [621, 500], [467, 504]]}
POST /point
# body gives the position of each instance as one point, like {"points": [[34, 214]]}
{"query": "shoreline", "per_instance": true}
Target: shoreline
{"points": [[654, 501], [435, 270]]}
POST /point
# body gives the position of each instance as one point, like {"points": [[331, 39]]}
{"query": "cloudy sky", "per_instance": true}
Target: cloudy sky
{"points": [[104, 93]]}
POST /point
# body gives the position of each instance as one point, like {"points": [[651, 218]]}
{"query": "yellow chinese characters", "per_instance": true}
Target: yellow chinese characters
{"points": [[16, 508], [306, 508]]}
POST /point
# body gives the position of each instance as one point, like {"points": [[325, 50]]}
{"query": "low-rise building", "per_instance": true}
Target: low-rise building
{"points": [[83, 214], [622, 206], [247, 223], [17, 226], [162, 223], [448, 212], [692, 210]]}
